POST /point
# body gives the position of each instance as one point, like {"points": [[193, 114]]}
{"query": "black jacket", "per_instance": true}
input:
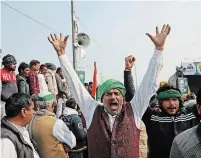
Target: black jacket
{"points": [[23, 149], [74, 123], [128, 83], [162, 128]]}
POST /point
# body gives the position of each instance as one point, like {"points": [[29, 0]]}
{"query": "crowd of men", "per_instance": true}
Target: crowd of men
{"points": [[47, 112]]}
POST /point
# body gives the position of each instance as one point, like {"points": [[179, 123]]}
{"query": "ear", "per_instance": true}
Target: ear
{"points": [[23, 112]]}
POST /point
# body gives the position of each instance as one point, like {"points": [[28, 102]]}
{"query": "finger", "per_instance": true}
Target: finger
{"points": [[49, 39], [66, 38], [53, 39], [55, 36], [157, 31], [163, 29], [61, 37], [167, 30], [150, 36]]}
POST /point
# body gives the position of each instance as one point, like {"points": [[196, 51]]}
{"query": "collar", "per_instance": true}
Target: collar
{"points": [[20, 128]]}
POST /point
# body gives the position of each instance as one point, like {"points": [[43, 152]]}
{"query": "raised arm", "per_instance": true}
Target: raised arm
{"points": [[148, 86], [128, 79], [77, 89]]}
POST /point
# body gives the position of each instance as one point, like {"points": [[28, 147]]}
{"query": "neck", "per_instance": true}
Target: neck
{"points": [[16, 121]]}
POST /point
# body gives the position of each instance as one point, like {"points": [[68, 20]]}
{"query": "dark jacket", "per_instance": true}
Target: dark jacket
{"points": [[74, 123], [23, 149], [22, 84], [162, 128], [128, 83], [187, 144]]}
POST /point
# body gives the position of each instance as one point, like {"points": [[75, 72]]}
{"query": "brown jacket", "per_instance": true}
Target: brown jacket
{"points": [[42, 133]]}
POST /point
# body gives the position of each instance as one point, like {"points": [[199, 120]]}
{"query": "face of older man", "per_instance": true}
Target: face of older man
{"points": [[113, 101]]}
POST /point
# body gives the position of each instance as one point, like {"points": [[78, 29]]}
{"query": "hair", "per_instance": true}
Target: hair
{"points": [[71, 103], [86, 84], [199, 97], [16, 102], [44, 104], [166, 87], [42, 66], [90, 83], [22, 66], [34, 63], [59, 70]]}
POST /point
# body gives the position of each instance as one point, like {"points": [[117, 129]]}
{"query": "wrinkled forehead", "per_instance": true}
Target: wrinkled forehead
{"points": [[112, 91]]}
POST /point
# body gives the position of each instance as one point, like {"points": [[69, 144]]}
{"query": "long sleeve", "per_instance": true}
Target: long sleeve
{"points": [[50, 84], [175, 151], [21, 86], [147, 88], [8, 149], [63, 134], [34, 84], [59, 84], [83, 98], [80, 134], [128, 83]]}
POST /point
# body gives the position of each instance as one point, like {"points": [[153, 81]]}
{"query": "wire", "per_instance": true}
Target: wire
{"points": [[30, 17]]}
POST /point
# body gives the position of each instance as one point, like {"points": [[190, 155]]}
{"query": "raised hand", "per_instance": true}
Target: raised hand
{"points": [[129, 62], [59, 44], [159, 39]]}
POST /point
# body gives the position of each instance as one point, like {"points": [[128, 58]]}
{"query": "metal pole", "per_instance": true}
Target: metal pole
{"points": [[74, 35]]}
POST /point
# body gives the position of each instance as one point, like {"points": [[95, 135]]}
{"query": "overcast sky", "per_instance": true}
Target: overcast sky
{"points": [[117, 29]]}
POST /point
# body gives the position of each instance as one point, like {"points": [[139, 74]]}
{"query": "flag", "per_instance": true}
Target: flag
{"points": [[94, 81]]}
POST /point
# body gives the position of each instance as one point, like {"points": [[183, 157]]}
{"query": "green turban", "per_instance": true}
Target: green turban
{"points": [[170, 93], [110, 84]]}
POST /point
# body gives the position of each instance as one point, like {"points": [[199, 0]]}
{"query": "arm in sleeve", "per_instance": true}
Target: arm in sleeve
{"points": [[128, 83], [21, 87], [8, 149], [147, 88], [80, 134], [63, 134], [50, 84], [83, 98], [59, 83], [32, 80], [175, 151]]}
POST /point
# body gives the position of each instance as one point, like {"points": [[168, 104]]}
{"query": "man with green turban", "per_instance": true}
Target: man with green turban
{"points": [[165, 123], [113, 126]]}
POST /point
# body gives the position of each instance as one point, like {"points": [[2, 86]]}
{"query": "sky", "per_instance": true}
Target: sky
{"points": [[116, 28]]}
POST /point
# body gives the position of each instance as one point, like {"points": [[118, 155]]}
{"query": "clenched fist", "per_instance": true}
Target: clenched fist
{"points": [[129, 62]]}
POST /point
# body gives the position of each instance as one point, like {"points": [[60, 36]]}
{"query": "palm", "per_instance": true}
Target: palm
{"points": [[159, 39], [59, 44]]}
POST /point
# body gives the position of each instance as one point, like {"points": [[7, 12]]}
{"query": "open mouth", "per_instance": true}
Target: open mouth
{"points": [[113, 106]]}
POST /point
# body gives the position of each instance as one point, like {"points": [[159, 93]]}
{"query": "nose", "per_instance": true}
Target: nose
{"points": [[171, 101]]}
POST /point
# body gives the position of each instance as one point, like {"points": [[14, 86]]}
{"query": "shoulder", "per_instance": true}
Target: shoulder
{"points": [[183, 142]]}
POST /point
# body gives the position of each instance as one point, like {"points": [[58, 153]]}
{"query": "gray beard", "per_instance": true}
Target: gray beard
{"points": [[110, 112]]}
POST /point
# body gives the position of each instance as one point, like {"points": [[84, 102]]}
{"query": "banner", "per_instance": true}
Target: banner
{"points": [[81, 75], [183, 85], [192, 68]]}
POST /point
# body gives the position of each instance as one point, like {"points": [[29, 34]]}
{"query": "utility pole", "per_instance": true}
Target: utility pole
{"points": [[74, 35]]}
